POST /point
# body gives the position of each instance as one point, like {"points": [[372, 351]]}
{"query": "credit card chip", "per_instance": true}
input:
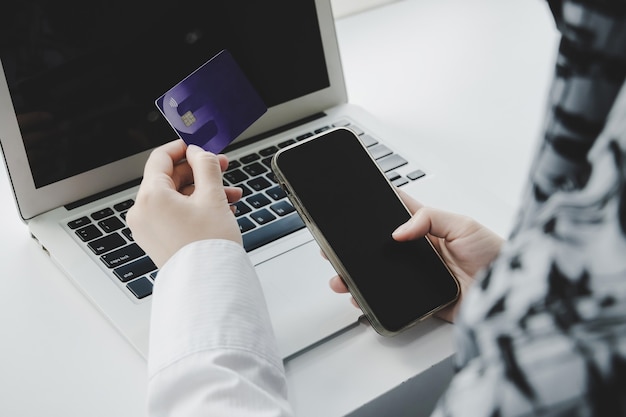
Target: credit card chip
{"points": [[188, 118]]}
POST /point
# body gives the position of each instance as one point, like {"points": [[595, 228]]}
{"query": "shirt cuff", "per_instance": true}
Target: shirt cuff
{"points": [[208, 297]]}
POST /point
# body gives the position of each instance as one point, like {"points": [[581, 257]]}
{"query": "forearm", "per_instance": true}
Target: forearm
{"points": [[212, 349]]}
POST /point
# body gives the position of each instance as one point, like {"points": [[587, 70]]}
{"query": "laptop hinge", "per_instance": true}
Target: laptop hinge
{"points": [[274, 131], [103, 194]]}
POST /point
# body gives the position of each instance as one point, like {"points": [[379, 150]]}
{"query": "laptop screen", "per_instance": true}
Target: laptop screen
{"points": [[83, 77]]}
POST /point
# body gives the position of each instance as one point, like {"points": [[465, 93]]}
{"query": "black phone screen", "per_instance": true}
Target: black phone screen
{"points": [[354, 207]]}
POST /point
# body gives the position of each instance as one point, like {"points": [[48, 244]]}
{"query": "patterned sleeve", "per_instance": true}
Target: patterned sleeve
{"points": [[544, 330]]}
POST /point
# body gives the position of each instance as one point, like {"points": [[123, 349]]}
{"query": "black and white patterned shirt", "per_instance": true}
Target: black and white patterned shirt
{"points": [[544, 330]]}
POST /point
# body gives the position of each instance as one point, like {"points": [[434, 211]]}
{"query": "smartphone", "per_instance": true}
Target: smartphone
{"points": [[351, 209]]}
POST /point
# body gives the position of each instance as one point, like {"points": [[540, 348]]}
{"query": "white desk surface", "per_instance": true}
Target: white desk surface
{"points": [[466, 79]]}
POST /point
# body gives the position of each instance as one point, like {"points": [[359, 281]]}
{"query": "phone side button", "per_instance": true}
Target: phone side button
{"points": [[275, 230]]}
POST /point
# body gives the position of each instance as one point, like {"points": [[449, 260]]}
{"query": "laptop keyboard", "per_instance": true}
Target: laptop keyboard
{"points": [[264, 213]]}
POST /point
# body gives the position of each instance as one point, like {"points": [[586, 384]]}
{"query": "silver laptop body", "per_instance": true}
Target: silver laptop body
{"points": [[77, 123]]}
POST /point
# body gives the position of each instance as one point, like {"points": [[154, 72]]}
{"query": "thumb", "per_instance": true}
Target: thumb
{"points": [[207, 172], [425, 221]]}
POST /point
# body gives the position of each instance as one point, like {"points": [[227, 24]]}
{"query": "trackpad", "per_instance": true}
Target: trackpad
{"points": [[302, 307]]}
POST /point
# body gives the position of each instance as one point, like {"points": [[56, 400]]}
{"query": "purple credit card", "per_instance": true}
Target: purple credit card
{"points": [[213, 105]]}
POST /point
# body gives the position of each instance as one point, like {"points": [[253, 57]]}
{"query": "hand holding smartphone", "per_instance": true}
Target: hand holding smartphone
{"points": [[351, 209]]}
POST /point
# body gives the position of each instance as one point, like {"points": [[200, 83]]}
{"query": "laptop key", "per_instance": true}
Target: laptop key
{"points": [[341, 123], [416, 174], [286, 143], [235, 176], [141, 288], [356, 130], [101, 214], [124, 205], [391, 162], [88, 233], [399, 182], [249, 158], [233, 164], [241, 208], [262, 216], [254, 169], [392, 175], [106, 243], [304, 136], [272, 177], [75, 224], [275, 230], [282, 208], [267, 162], [268, 151], [245, 224], [379, 151], [258, 201], [135, 269], [128, 233], [111, 224], [123, 255], [259, 183], [246, 191], [276, 193], [368, 140]]}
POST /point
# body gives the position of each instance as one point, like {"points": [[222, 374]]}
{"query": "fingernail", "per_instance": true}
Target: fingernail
{"points": [[400, 229], [196, 148]]}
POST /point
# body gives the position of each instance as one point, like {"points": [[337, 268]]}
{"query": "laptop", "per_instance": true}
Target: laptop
{"points": [[78, 121]]}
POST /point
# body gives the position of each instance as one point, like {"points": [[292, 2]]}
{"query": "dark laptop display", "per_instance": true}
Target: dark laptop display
{"points": [[84, 77]]}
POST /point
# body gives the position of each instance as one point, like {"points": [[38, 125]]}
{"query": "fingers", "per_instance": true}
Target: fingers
{"points": [[412, 204], [183, 177], [430, 221], [207, 170], [184, 180], [233, 194], [337, 285], [169, 159], [223, 161], [163, 159]]}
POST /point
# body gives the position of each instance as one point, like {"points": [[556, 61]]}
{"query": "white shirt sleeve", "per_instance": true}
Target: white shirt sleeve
{"points": [[212, 348]]}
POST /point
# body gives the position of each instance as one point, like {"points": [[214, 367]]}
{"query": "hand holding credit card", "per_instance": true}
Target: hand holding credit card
{"points": [[213, 105]]}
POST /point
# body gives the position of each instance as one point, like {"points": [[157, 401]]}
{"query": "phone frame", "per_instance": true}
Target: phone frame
{"points": [[328, 250]]}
